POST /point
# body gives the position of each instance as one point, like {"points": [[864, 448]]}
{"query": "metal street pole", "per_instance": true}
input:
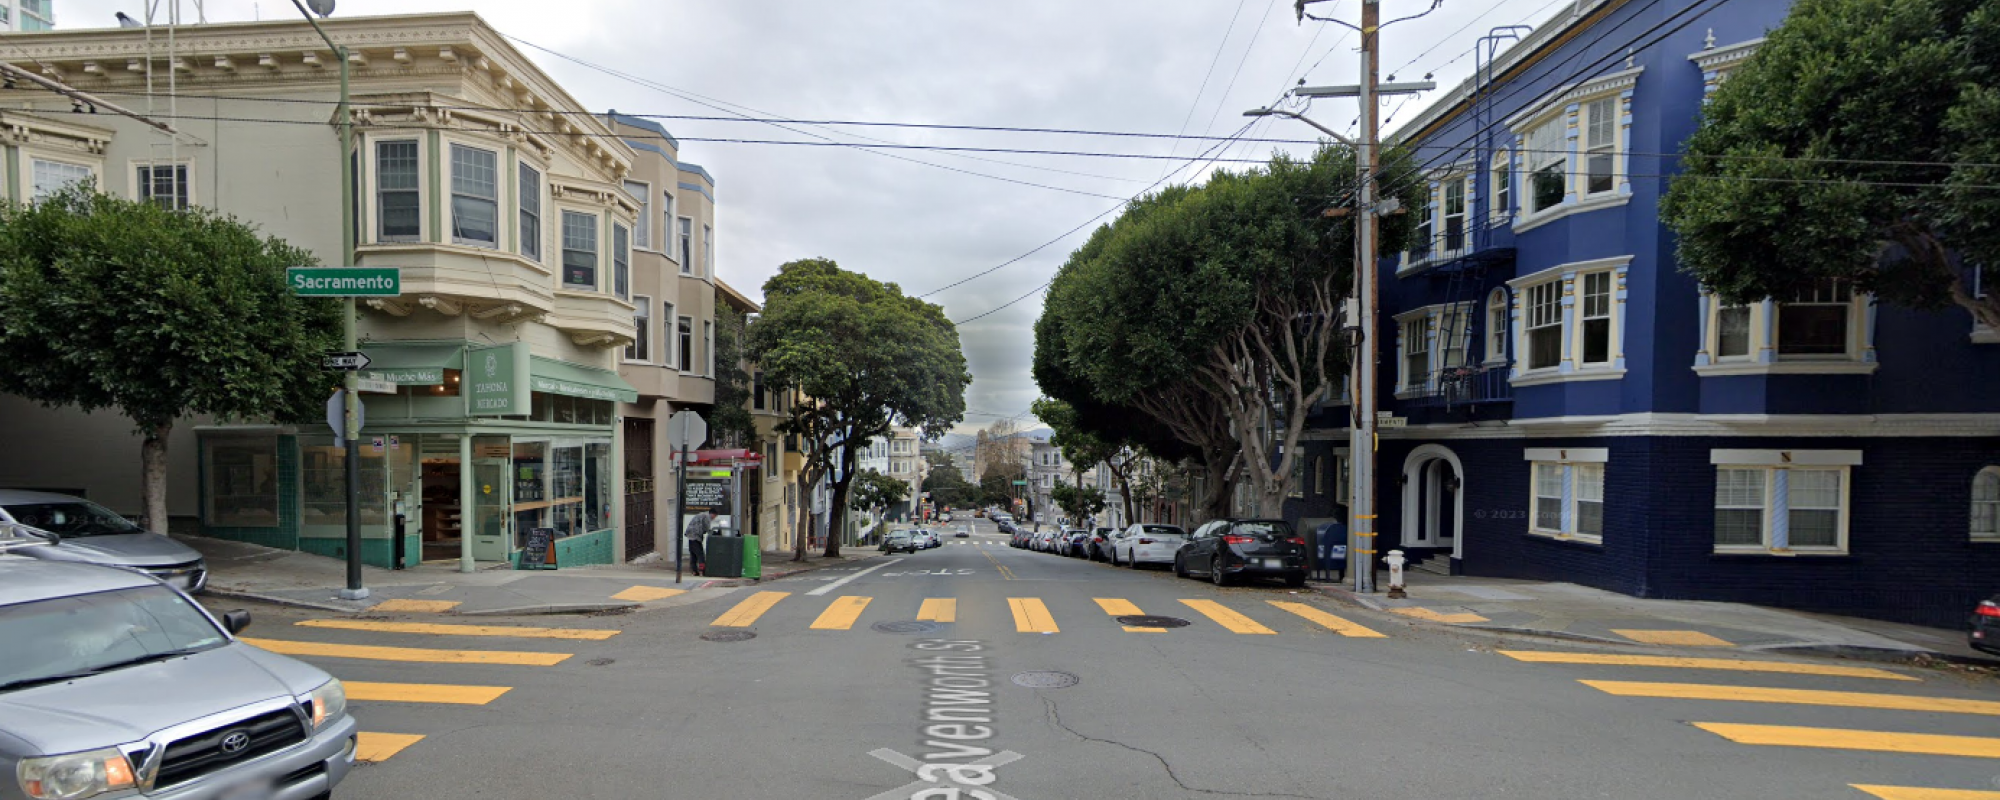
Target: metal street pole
{"points": [[680, 503], [351, 379]]}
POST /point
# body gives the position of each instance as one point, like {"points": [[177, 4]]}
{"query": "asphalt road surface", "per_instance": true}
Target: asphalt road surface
{"points": [[1249, 698]]}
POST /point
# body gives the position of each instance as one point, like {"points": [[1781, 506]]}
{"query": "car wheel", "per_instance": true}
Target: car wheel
{"points": [[1296, 581], [1215, 572], [1114, 557], [1180, 567], [1133, 562]]}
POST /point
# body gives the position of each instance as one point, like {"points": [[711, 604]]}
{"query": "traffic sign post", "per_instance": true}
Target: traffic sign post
{"points": [[348, 362], [347, 283], [686, 431]]}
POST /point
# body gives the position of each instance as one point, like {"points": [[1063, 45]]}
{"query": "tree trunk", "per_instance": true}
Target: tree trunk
{"points": [[838, 506], [153, 476], [802, 525], [1216, 489]]}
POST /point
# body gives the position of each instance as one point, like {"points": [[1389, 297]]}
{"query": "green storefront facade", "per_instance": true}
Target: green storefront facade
{"points": [[475, 446]]}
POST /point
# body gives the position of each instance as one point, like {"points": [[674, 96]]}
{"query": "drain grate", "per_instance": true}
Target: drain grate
{"points": [[1149, 621], [1046, 679], [728, 636], [911, 626]]}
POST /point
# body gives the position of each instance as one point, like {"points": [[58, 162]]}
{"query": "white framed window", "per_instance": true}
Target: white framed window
{"points": [[1817, 322], [708, 348], [1595, 325], [579, 250], [1587, 498], [667, 222], [164, 184], [771, 464], [1416, 353], [1452, 227], [398, 203], [1496, 326], [1543, 327], [531, 212], [1986, 505], [707, 250], [671, 346], [50, 177], [475, 196], [641, 348], [1793, 501], [1567, 492], [1547, 515], [1600, 146], [1732, 332], [1453, 337], [1547, 155], [1503, 186], [642, 234], [685, 329], [687, 246], [1824, 328], [1426, 225], [621, 260]]}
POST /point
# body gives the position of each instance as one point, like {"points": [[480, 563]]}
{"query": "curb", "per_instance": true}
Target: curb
{"points": [[547, 609], [255, 597], [1878, 654]]}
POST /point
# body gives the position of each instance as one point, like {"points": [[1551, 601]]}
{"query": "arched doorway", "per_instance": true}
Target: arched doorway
{"points": [[1434, 501]]}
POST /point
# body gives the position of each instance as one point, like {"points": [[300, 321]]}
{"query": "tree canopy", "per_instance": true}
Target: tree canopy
{"points": [[1077, 502], [873, 490], [160, 314], [729, 420], [1860, 143], [864, 356]]}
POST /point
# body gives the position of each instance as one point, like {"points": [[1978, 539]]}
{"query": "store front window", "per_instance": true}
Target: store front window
{"points": [[323, 481], [242, 482]]}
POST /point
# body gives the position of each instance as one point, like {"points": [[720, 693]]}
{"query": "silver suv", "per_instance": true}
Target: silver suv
{"points": [[113, 684], [90, 533]]}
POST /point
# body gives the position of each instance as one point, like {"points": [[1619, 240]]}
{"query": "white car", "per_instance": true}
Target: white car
{"points": [[926, 539], [1147, 544]]}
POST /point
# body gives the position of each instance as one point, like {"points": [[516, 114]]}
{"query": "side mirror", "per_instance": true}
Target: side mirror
{"points": [[235, 621]]}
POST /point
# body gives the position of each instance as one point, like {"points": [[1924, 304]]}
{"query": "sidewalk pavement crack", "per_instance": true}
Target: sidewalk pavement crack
{"points": [[1055, 718]]}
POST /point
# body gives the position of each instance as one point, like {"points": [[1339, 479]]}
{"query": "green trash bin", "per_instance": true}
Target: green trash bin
{"points": [[725, 556], [753, 557]]}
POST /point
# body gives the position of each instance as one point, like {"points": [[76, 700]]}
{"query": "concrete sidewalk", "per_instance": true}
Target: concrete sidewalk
{"points": [[287, 577], [1567, 610]]}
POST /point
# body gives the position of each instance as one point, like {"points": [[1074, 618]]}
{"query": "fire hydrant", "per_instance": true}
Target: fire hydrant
{"points": [[1395, 562]]}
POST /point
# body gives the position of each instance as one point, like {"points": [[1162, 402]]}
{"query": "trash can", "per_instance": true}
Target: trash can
{"points": [[753, 557], [725, 556]]}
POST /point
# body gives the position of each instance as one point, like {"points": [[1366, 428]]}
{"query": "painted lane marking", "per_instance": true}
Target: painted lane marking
{"points": [[1920, 793], [433, 629], [425, 606], [1031, 616], [1732, 664], [1803, 697], [841, 614], [1124, 608], [374, 747], [1005, 574], [938, 609], [643, 594], [424, 693], [1329, 621], [1236, 623], [1425, 613], [1679, 638], [746, 613], [843, 581], [414, 654], [1844, 739]]}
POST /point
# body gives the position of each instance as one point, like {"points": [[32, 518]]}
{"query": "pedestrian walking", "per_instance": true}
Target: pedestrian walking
{"points": [[697, 527]]}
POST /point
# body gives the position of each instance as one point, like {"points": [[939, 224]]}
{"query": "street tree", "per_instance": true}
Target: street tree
{"points": [[159, 314], [1214, 310], [996, 489], [729, 420], [1086, 447], [1861, 144], [875, 492], [947, 485], [864, 357], [1077, 502]]}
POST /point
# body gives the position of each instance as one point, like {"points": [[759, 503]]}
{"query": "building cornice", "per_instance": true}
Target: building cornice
{"points": [[1722, 58]]}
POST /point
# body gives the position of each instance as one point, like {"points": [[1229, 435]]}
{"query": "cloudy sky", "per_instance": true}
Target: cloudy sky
{"points": [[926, 219]]}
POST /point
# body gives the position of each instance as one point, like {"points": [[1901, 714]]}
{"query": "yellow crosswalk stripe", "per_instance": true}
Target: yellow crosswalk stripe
{"points": [[450, 694], [1124, 608], [746, 613], [938, 609], [1031, 616], [1803, 697], [380, 746], [1329, 621], [426, 606], [644, 594], [1674, 662], [841, 614], [1920, 793], [434, 629], [1680, 638], [1225, 617], [417, 654], [1435, 616], [1844, 739]]}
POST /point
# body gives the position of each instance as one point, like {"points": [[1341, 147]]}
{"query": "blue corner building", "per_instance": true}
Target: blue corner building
{"points": [[1577, 408]]}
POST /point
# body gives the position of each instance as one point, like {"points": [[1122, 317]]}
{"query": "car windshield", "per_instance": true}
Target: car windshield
{"points": [[1163, 530], [87, 634], [71, 518], [1270, 528]]}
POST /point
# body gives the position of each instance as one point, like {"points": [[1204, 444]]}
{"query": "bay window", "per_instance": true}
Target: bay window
{"points": [[1454, 213], [1544, 325], [687, 246], [1732, 332], [579, 250], [531, 213], [1496, 326], [1503, 186], [1600, 145], [621, 260], [641, 348], [686, 332], [642, 235], [475, 196], [1548, 159], [1416, 353], [397, 202], [1596, 325], [1815, 321]]}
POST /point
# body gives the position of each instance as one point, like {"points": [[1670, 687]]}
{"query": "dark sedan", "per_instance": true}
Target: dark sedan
{"points": [[1986, 626], [1072, 543], [1227, 550]]}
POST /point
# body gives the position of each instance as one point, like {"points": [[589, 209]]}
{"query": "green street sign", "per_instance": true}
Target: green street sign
{"points": [[345, 281]]}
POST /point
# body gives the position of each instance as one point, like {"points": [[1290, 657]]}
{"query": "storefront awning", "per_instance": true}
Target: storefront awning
{"points": [[561, 377], [411, 364]]}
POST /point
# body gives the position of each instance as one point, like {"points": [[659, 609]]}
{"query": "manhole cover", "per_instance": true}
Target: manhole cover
{"points": [[1148, 621], [728, 636], [1046, 680], [906, 627], [601, 662]]}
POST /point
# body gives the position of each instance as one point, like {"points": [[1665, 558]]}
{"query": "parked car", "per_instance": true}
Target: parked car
{"points": [[84, 531], [1075, 543], [899, 542], [131, 688], [1226, 550], [1099, 546], [1042, 540], [1147, 544], [932, 540], [1985, 633]]}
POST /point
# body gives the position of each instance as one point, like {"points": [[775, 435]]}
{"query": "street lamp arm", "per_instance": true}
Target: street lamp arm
{"points": [[1277, 112]]}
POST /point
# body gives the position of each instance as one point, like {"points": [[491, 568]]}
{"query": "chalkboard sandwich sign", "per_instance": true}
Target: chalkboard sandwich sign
{"points": [[539, 552]]}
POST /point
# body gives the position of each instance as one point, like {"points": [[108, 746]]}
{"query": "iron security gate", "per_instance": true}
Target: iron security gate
{"points": [[639, 488]]}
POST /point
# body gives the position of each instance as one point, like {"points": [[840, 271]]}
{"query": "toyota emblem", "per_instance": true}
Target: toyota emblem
{"points": [[235, 742]]}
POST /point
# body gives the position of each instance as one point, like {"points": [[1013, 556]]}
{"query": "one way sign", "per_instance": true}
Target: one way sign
{"points": [[347, 362]]}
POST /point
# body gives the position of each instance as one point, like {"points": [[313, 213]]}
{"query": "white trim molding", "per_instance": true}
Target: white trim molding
{"points": [[1590, 455], [1785, 458], [1664, 424], [1721, 59]]}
